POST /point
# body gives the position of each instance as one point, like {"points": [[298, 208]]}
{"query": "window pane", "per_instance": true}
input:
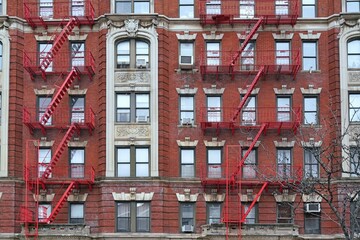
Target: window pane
{"points": [[123, 155], [186, 49], [187, 103], [284, 156], [123, 47], [283, 103], [123, 170], [186, 12], [142, 170], [142, 210], [310, 104], [214, 102], [123, 100], [123, 7], [187, 156], [186, 1], [77, 155], [309, 49], [77, 211], [214, 156], [142, 7], [187, 170], [187, 211], [142, 100], [142, 47], [142, 155], [123, 209], [308, 11]]}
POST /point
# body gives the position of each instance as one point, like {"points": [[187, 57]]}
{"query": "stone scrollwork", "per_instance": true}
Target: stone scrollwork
{"points": [[132, 131], [132, 77], [354, 76], [131, 26]]}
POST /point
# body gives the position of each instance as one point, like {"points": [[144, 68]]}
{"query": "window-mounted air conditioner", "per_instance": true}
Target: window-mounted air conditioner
{"points": [[187, 228], [312, 207], [141, 63], [142, 119], [186, 121], [186, 62]]}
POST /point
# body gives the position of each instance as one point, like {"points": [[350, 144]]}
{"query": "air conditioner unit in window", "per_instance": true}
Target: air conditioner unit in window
{"points": [[187, 228], [186, 121], [312, 207], [141, 63], [142, 119], [186, 62]]}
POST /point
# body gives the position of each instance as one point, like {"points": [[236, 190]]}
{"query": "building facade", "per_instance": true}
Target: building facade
{"points": [[183, 119]]}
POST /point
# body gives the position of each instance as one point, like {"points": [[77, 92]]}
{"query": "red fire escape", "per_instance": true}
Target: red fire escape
{"points": [[41, 173], [278, 63]]}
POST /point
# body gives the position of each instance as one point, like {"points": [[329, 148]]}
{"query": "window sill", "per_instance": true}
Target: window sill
{"points": [[187, 126], [132, 123], [311, 126], [311, 71]]}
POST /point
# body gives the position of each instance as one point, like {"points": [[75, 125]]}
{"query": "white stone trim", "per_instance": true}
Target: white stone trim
{"points": [[132, 89], [214, 143], [243, 91], [284, 91], [311, 90], [186, 36], [44, 143], [283, 35], [306, 198], [77, 91], [77, 197], [114, 34], [243, 36], [5, 85], [133, 196], [311, 143], [214, 196], [213, 36], [284, 197], [284, 144], [248, 143], [310, 35], [187, 142], [213, 90], [188, 91], [44, 91], [187, 197], [77, 144], [44, 197], [77, 37], [249, 196], [44, 38]]}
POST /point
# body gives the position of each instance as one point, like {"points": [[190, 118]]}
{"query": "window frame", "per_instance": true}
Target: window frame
{"points": [[77, 53], [217, 173], [354, 217], [132, 53], [282, 7], [77, 169], [77, 9], [216, 111], [316, 111], [133, 217], [312, 6], [188, 111], [77, 115], [284, 168], [355, 109], [182, 164], [76, 220], [132, 109], [285, 57], [248, 63], [209, 218], [311, 161], [132, 6], [256, 213], [43, 49], [280, 110], [47, 206], [182, 218], [249, 6], [47, 7], [354, 165], [40, 109], [213, 7], [249, 111], [309, 57], [183, 50], [213, 56], [287, 219], [251, 166], [133, 163], [309, 217], [185, 5], [45, 161]]}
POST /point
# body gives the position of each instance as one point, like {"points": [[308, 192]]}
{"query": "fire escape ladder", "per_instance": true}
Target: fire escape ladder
{"points": [[61, 202], [247, 40], [60, 149], [249, 90], [59, 95], [253, 202], [58, 42]]}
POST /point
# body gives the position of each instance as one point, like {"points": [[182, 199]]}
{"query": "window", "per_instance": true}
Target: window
{"points": [[44, 211], [186, 110], [44, 49], [252, 217], [282, 53], [311, 110], [77, 54], [214, 108], [43, 103], [132, 6], [248, 57], [132, 54], [77, 162], [1, 7], [1, 56], [249, 168], [308, 8], [44, 159], [213, 53], [284, 162], [309, 56], [247, 8], [214, 213], [283, 108], [312, 223], [133, 217], [284, 212], [187, 161], [352, 6], [249, 112], [77, 109], [133, 161], [354, 107], [354, 162], [46, 9], [213, 7], [186, 53], [187, 217], [281, 7], [355, 217], [214, 163], [77, 7], [76, 213], [353, 52], [311, 159], [186, 8], [132, 107]]}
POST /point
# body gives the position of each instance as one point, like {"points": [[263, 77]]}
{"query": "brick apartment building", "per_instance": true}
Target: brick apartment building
{"points": [[173, 119]]}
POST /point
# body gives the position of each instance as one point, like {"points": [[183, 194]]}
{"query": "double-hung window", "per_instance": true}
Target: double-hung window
{"points": [[247, 8], [132, 6], [352, 6], [76, 213], [249, 112], [309, 56], [133, 53], [213, 7], [283, 108], [353, 54], [282, 53], [312, 223], [133, 161], [77, 54], [77, 7], [44, 49], [250, 165], [281, 7], [354, 107], [186, 8], [311, 115], [132, 107], [213, 213], [247, 60], [133, 217], [213, 53], [77, 162], [46, 8], [355, 217], [213, 108], [44, 211], [311, 162], [354, 162], [214, 160], [252, 217], [42, 105], [187, 217], [284, 212], [44, 159], [284, 162], [186, 57], [187, 110], [77, 109], [187, 161], [308, 8]]}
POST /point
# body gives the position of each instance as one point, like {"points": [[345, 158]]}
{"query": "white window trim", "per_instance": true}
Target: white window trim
{"points": [[112, 6]]}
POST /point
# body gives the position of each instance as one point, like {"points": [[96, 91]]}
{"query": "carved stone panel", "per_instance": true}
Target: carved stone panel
{"points": [[132, 77], [354, 77], [132, 131]]}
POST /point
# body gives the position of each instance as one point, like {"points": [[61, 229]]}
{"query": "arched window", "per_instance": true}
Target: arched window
{"points": [[353, 53], [132, 53]]}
